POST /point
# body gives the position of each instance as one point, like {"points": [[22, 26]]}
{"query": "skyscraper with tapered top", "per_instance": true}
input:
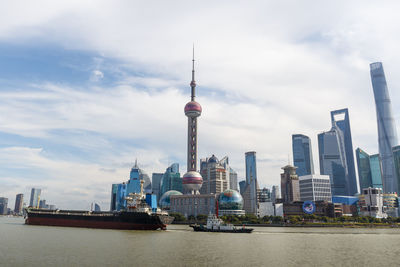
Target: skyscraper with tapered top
{"points": [[387, 134]]}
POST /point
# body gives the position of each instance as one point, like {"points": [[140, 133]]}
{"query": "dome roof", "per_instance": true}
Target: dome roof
{"points": [[213, 159], [192, 106], [192, 177], [230, 200], [165, 200]]}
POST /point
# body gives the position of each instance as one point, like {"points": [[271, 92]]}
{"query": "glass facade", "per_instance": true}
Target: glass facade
{"points": [[35, 196], [341, 120], [302, 154], [171, 179], [230, 200], [396, 159], [387, 134], [135, 176], [369, 170], [250, 190]]}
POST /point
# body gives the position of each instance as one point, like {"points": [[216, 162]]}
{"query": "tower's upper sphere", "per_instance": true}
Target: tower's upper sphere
{"points": [[193, 109], [192, 181]]}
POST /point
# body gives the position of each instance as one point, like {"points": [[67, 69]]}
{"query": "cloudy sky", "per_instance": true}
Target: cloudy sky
{"points": [[86, 87]]}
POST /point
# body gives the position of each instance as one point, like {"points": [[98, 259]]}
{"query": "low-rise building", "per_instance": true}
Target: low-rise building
{"points": [[371, 203], [315, 187], [194, 205]]}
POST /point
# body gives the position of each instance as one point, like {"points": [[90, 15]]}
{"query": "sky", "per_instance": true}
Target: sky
{"points": [[88, 87]]}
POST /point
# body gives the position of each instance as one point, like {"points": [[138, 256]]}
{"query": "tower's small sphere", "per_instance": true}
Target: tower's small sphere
{"points": [[192, 181], [193, 109]]}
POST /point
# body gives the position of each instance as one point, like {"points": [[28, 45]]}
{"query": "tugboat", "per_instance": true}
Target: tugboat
{"points": [[137, 216], [215, 224]]}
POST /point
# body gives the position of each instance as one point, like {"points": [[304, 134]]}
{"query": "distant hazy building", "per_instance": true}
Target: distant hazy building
{"points": [[113, 202], [242, 185], [35, 197], [233, 181], [19, 202], [369, 170], [214, 175], [396, 159], [95, 207], [156, 184], [371, 203], [391, 204], [264, 195], [42, 204], [315, 187], [171, 180], [275, 193], [52, 207], [290, 190], [302, 154], [251, 187], [387, 133], [3, 206]]}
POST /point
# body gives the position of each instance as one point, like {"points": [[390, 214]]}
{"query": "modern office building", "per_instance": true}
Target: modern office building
{"points": [[387, 133], [275, 193], [135, 176], [3, 206], [156, 184], [192, 180], [171, 179], [19, 202], [391, 204], [396, 160], [371, 203], [230, 202], [251, 187], [215, 175], [369, 170], [35, 197], [42, 204], [264, 195], [233, 180], [242, 186], [333, 161], [315, 187], [113, 202], [290, 190], [302, 154]]}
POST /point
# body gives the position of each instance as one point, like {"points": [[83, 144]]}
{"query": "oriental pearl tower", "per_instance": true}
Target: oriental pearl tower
{"points": [[192, 179]]}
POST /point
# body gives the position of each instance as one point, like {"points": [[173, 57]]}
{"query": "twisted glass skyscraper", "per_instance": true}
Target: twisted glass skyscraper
{"points": [[387, 134]]}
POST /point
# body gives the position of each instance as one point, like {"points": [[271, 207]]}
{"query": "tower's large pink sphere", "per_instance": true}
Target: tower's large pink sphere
{"points": [[192, 181], [193, 109]]}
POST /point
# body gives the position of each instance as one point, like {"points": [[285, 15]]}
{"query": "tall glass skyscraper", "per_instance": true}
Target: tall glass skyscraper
{"points": [[369, 170], [396, 159], [135, 176], [332, 161], [171, 179], [250, 190], [341, 120], [387, 134], [35, 196], [302, 154]]}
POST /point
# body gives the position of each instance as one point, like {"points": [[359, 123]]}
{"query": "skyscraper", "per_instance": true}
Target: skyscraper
{"points": [[3, 206], [214, 175], [396, 159], [171, 179], [340, 119], [275, 194], [369, 170], [251, 187], [302, 154], [19, 201], [35, 197], [156, 184], [192, 180], [290, 189], [135, 176], [114, 192], [387, 134], [336, 155]]}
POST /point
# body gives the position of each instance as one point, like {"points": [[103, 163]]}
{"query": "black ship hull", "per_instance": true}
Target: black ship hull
{"points": [[201, 228], [103, 220]]}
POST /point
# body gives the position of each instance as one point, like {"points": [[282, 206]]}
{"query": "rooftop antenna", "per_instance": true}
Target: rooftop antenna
{"points": [[193, 83]]}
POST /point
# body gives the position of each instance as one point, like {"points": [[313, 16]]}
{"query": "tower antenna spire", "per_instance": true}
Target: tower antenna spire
{"points": [[193, 82]]}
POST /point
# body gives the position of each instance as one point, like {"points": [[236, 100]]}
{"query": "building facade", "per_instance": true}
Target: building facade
{"points": [[371, 203], [302, 154], [215, 175], [290, 189], [396, 159], [275, 193], [251, 186], [19, 202], [3, 206], [171, 179], [193, 204], [387, 133], [35, 197], [369, 170], [156, 184], [315, 187], [135, 176]]}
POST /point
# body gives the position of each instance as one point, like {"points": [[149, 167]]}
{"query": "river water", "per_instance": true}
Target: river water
{"points": [[27, 245]]}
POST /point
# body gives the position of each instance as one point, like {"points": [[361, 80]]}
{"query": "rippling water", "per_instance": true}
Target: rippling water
{"points": [[27, 245]]}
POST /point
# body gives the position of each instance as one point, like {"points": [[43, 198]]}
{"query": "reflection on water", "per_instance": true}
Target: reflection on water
{"points": [[26, 245]]}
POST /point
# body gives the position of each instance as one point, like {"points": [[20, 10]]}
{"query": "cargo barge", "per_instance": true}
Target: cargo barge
{"points": [[138, 215]]}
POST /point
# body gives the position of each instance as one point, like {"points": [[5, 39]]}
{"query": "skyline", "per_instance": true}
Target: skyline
{"points": [[85, 99]]}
